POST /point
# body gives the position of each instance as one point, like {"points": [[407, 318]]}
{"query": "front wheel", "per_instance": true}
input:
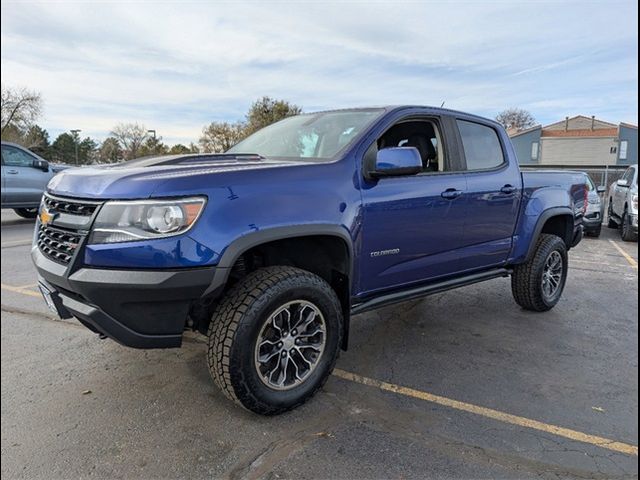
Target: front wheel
{"points": [[26, 212], [537, 285], [274, 339]]}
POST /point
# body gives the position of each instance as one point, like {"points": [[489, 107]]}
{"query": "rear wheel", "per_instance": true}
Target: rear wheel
{"points": [[26, 212], [626, 231], [538, 284], [274, 339]]}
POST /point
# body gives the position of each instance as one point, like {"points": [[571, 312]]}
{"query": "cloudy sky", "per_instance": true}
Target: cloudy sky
{"points": [[176, 66]]}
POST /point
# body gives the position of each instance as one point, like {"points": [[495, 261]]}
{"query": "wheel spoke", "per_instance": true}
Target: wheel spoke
{"points": [[271, 343], [284, 364], [317, 348], [295, 366], [311, 334], [303, 357], [307, 321], [268, 356]]}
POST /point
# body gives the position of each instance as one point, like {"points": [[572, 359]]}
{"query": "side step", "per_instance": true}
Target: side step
{"points": [[425, 290]]}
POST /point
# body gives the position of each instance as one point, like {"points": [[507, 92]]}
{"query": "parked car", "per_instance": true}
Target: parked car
{"points": [[623, 205], [270, 248], [24, 178], [595, 208]]}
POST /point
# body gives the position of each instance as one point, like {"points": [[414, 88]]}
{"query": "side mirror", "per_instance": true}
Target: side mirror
{"points": [[41, 165], [395, 161], [622, 183], [601, 189]]}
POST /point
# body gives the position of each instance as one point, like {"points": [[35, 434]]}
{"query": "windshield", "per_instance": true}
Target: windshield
{"points": [[315, 136]]}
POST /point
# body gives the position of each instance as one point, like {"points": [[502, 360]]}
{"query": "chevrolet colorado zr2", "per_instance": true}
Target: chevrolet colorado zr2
{"points": [[271, 247]]}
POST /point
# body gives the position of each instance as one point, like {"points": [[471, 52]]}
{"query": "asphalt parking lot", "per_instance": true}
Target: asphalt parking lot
{"points": [[459, 385]]}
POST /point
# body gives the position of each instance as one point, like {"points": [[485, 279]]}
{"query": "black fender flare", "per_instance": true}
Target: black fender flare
{"points": [[242, 244], [542, 220]]}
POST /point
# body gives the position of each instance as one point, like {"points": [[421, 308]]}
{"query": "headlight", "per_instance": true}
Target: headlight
{"points": [[634, 202], [127, 221], [594, 200]]}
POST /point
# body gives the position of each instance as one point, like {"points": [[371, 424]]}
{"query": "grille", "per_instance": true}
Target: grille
{"points": [[68, 206], [59, 241], [58, 244]]}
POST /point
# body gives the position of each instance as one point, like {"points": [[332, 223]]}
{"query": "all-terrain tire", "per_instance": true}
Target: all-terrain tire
{"points": [[626, 231], [236, 326], [26, 212], [527, 278]]}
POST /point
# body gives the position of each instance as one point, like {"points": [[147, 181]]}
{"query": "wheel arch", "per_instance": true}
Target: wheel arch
{"points": [[556, 221], [332, 259]]}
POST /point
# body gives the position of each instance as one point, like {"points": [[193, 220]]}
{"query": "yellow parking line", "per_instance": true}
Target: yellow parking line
{"points": [[630, 259], [493, 414], [21, 290], [28, 287]]}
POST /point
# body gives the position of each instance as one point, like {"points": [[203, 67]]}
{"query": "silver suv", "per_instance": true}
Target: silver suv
{"points": [[24, 177], [623, 204]]}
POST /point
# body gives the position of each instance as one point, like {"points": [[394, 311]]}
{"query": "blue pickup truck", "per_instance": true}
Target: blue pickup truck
{"points": [[270, 248]]}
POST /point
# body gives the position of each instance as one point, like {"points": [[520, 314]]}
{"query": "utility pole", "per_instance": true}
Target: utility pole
{"points": [[76, 138], [155, 143]]}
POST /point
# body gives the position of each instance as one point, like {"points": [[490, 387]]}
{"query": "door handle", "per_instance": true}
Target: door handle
{"points": [[12, 172], [508, 189], [451, 193]]}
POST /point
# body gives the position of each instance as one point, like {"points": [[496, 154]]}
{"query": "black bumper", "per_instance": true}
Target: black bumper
{"points": [[592, 222], [137, 308]]}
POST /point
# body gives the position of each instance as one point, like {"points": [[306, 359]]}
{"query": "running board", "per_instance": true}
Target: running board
{"points": [[425, 290]]}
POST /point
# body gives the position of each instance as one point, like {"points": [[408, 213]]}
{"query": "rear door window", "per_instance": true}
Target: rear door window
{"points": [[482, 148]]}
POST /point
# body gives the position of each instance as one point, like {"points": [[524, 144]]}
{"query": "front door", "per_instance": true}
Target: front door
{"points": [[23, 184], [412, 225]]}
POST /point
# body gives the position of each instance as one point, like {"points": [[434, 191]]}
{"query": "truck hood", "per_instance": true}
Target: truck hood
{"points": [[143, 178]]}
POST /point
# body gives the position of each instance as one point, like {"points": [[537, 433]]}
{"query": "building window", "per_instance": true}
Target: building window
{"points": [[613, 150], [534, 151], [623, 150]]}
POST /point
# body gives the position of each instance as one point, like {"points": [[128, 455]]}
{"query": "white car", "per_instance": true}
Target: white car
{"points": [[623, 204]]}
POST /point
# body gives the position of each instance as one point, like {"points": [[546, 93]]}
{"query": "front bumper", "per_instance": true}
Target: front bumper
{"points": [[137, 308], [592, 221]]}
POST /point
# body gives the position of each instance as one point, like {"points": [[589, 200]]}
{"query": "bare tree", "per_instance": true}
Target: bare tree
{"points": [[218, 137], [515, 119], [266, 111], [20, 108], [130, 136]]}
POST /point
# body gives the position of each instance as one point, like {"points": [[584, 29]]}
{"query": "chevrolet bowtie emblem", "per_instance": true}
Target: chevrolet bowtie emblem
{"points": [[45, 217]]}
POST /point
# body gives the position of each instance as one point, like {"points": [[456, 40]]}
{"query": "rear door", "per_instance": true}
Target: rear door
{"points": [[494, 190]]}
